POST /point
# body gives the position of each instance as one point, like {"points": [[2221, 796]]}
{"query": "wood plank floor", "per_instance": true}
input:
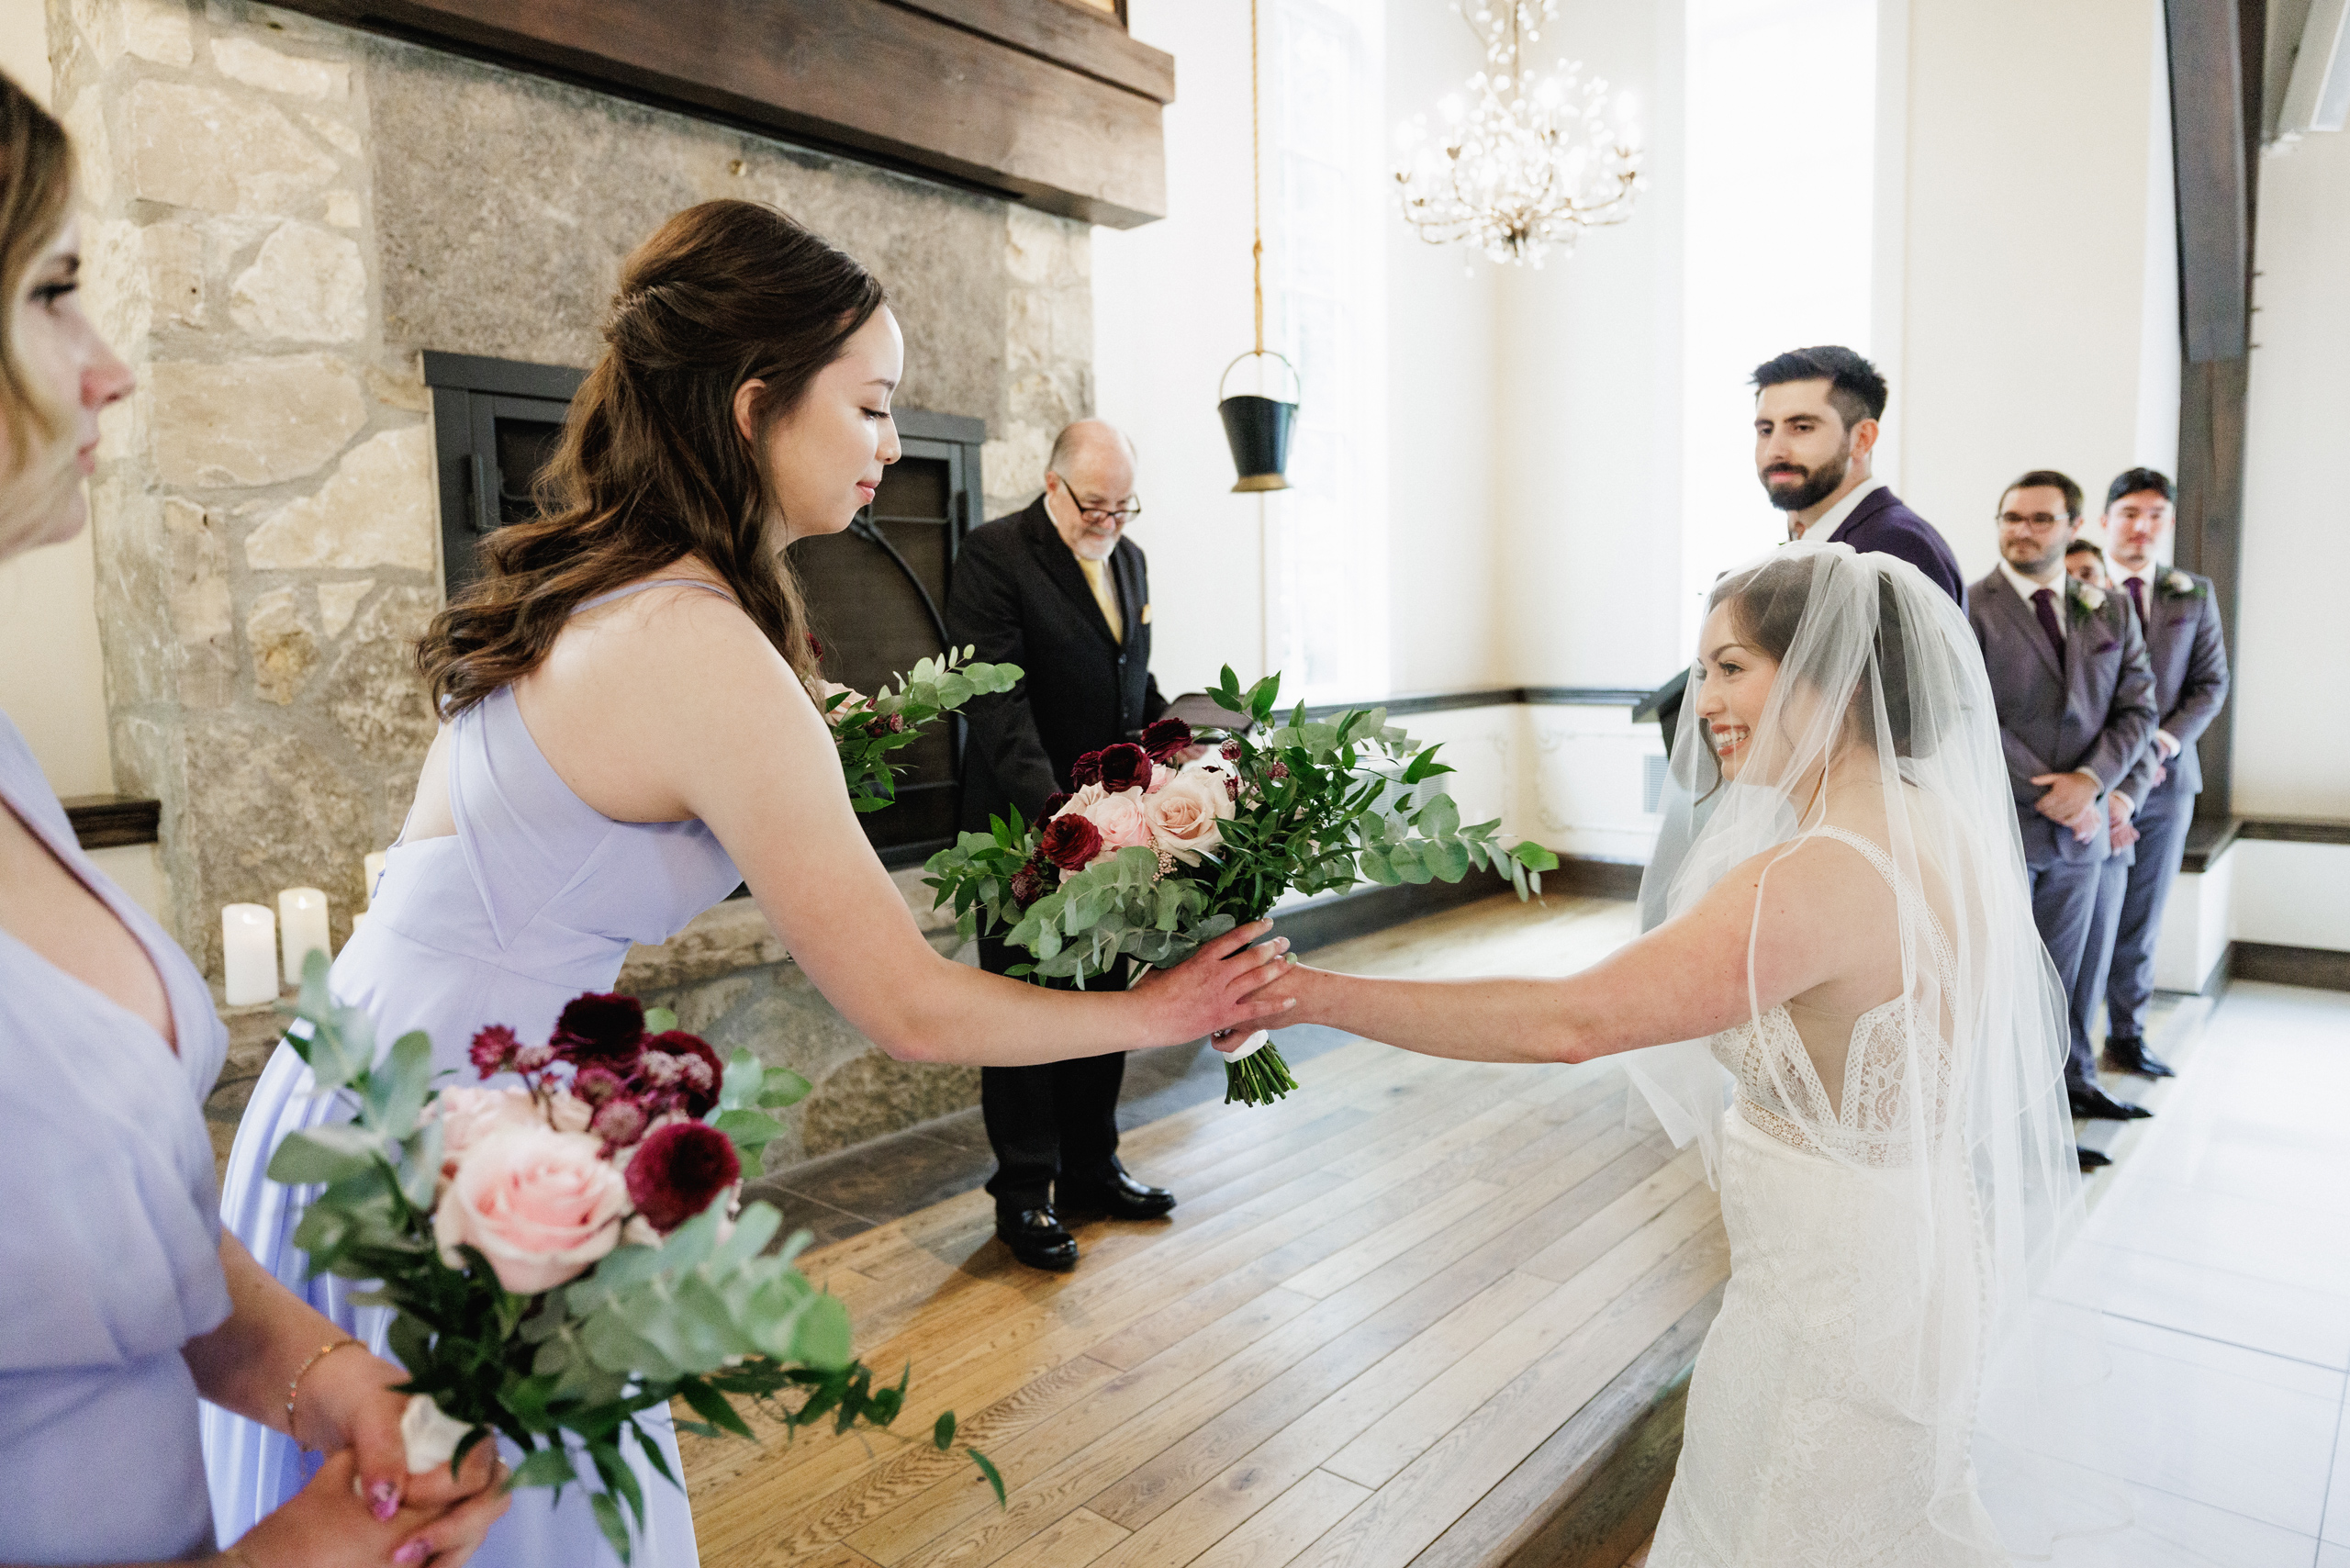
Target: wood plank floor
{"points": [[1375, 1301]]}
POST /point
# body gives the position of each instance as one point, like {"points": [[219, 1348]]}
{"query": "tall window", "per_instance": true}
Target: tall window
{"points": [[1326, 199], [1778, 240]]}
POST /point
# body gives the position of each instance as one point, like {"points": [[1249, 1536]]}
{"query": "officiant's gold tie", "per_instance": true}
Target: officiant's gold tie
{"points": [[1097, 577]]}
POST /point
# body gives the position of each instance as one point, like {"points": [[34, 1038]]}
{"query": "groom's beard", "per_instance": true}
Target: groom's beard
{"points": [[1817, 486]]}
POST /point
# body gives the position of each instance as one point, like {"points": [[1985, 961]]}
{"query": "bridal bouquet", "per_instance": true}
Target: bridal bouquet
{"points": [[565, 1255], [866, 729], [1154, 855]]}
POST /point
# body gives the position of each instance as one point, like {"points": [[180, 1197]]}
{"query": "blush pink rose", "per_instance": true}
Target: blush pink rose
{"points": [[468, 1115], [1084, 797], [1120, 821], [1183, 816], [543, 1206]]}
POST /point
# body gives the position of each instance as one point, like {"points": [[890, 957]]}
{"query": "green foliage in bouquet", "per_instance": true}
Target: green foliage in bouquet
{"points": [[1320, 806], [699, 1314], [865, 731]]}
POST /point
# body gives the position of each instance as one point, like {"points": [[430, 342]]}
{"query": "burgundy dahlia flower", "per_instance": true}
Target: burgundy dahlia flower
{"points": [[1086, 769], [1030, 883], [1124, 766], [1070, 843], [1165, 739], [695, 1074], [677, 1172], [1054, 802], [492, 1049], [599, 1026]]}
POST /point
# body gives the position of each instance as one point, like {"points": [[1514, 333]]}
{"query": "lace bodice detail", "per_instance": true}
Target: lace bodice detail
{"points": [[1780, 1092]]}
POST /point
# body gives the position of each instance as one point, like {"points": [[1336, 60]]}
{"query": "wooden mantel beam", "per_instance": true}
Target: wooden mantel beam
{"points": [[1037, 100]]}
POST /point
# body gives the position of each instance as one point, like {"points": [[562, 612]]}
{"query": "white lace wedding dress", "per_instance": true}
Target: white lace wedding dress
{"points": [[1796, 1450]]}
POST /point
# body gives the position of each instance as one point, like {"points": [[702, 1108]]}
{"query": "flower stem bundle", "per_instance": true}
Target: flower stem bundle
{"points": [[1171, 840]]}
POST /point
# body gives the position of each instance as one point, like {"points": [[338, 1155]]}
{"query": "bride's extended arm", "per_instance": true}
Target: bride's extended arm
{"points": [[1684, 980], [705, 719]]}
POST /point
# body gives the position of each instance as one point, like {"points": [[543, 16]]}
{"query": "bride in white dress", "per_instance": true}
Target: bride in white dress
{"points": [[1846, 930]]}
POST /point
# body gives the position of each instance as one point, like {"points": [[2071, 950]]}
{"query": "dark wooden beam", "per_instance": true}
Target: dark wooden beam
{"points": [[2214, 165], [1032, 99], [2216, 60], [1066, 35]]}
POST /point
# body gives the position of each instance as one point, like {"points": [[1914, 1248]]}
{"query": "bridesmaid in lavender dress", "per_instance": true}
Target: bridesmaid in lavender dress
{"points": [[122, 1303], [628, 733]]}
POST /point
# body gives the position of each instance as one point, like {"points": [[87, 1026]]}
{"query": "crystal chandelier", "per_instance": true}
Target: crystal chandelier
{"points": [[1529, 160]]}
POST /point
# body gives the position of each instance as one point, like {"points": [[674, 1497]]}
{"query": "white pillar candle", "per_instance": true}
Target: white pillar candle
{"points": [[302, 928], [358, 919], [249, 951], [372, 874]]}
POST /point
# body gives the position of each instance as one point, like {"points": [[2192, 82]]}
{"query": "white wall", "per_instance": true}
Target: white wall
{"points": [[1589, 455], [2036, 264], [2297, 503], [52, 683], [1444, 398], [1172, 308]]}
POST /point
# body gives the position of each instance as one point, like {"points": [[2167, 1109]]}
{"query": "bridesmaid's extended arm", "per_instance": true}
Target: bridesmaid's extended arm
{"points": [[676, 707], [1684, 980]]}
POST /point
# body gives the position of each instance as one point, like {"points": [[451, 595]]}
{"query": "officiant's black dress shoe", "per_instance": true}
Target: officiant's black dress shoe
{"points": [[1038, 1239], [1118, 1195], [2097, 1105], [2130, 1056], [2092, 1160]]}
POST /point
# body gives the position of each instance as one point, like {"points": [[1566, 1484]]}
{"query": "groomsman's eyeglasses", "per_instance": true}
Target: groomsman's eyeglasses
{"points": [[1094, 517]]}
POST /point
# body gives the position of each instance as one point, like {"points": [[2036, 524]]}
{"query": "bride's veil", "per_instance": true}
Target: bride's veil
{"points": [[1954, 1126]]}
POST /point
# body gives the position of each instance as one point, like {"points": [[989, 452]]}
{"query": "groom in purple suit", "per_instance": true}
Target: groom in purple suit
{"points": [[1816, 413]]}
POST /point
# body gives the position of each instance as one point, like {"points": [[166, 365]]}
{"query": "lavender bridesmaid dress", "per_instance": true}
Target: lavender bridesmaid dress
{"points": [[110, 1258], [534, 899]]}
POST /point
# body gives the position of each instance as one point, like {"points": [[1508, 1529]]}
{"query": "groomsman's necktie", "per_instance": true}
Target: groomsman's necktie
{"points": [[2137, 587], [2043, 604]]}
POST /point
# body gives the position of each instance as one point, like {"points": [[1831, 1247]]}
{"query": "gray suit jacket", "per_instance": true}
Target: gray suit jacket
{"points": [[2190, 660], [2095, 710]]}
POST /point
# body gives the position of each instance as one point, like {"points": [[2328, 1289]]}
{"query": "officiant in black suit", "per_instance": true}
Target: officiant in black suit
{"points": [[1059, 591]]}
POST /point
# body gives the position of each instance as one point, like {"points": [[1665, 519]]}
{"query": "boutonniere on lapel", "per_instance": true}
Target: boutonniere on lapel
{"points": [[2086, 599], [2176, 584]]}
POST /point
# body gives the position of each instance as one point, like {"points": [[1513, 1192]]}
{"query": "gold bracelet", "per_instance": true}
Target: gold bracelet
{"points": [[322, 1353]]}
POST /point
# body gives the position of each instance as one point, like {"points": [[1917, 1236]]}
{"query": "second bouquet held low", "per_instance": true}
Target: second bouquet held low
{"points": [[1171, 843]]}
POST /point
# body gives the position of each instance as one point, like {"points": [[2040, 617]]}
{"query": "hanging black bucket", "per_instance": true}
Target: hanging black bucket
{"points": [[1258, 428]]}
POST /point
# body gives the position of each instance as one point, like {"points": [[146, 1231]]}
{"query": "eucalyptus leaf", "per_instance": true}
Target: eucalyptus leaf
{"points": [[325, 1153]]}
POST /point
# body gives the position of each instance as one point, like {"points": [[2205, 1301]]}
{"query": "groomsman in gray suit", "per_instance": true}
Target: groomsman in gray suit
{"points": [[2181, 621], [2076, 699]]}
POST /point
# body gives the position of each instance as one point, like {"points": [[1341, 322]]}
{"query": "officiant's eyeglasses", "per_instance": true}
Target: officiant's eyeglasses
{"points": [[1096, 516]]}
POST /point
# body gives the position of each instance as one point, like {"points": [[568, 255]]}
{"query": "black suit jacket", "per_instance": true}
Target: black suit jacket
{"points": [[1020, 597], [1880, 522]]}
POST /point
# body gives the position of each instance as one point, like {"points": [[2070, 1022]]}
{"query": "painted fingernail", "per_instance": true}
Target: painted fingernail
{"points": [[382, 1500], [411, 1554]]}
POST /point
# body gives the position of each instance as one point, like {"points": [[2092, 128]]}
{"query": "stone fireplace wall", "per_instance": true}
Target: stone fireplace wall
{"points": [[279, 214]]}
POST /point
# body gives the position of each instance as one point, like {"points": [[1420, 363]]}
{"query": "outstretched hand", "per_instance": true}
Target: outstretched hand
{"points": [[1216, 988]]}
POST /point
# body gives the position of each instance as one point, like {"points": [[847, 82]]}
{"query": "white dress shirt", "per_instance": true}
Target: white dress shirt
{"points": [[1823, 527]]}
